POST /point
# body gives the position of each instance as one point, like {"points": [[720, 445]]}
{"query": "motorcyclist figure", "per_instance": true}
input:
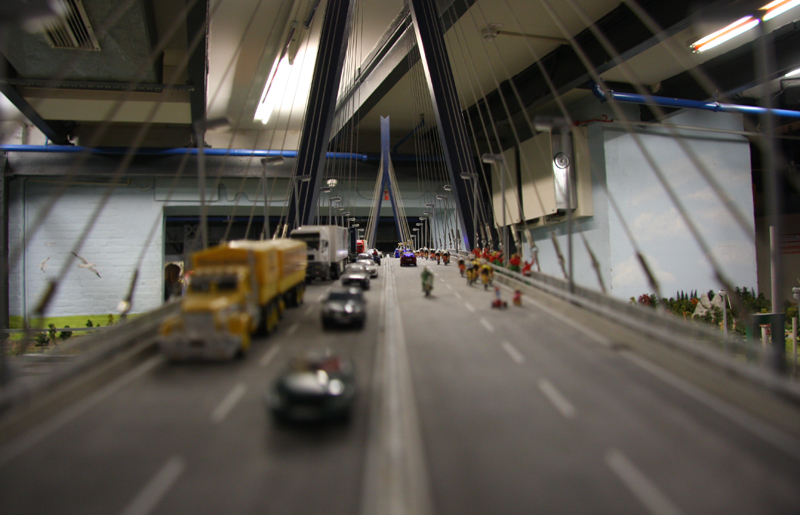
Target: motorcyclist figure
{"points": [[427, 281]]}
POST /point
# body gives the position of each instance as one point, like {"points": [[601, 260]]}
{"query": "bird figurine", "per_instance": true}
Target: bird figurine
{"points": [[87, 265], [44, 265]]}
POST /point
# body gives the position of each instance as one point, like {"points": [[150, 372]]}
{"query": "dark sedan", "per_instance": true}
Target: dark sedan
{"points": [[316, 386], [344, 306], [408, 258], [355, 274]]}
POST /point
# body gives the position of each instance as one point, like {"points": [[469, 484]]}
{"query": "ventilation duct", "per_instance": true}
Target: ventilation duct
{"points": [[71, 30]]}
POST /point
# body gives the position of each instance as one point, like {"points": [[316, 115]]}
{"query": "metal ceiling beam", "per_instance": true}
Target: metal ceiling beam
{"points": [[626, 33], [450, 122], [94, 85], [197, 21], [319, 113], [57, 132], [56, 165], [385, 66]]}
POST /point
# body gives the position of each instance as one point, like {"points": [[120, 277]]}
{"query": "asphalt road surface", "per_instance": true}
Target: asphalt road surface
{"points": [[462, 409]]}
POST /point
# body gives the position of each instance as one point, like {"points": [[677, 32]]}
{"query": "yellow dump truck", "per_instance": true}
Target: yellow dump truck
{"points": [[238, 288]]}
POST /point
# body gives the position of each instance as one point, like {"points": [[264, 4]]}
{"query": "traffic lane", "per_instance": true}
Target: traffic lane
{"points": [[638, 417], [285, 468], [104, 456], [493, 444], [697, 433], [679, 444]]}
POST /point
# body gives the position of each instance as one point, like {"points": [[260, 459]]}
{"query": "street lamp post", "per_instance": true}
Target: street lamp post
{"points": [[326, 190], [443, 222], [474, 178], [499, 160], [331, 200]]}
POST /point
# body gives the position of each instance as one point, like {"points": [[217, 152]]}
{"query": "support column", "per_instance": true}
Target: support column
{"points": [[4, 268], [319, 113], [386, 183], [452, 130], [197, 20]]}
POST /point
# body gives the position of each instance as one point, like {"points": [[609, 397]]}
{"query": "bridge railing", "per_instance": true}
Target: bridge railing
{"points": [[30, 375], [745, 358]]}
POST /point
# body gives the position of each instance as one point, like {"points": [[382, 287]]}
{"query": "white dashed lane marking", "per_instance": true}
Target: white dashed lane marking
{"points": [[485, 323], [157, 488], [469, 307], [554, 396], [641, 487], [227, 404], [267, 357], [514, 353]]}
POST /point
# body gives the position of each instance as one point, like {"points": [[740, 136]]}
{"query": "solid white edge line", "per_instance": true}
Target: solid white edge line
{"points": [[469, 307], [556, 398], [227, 404], [31, 438], [485, 323], [292, 328], [644, 489], [267, 356], [513, 352], [156, 488], [775, 437], [395, 478]]}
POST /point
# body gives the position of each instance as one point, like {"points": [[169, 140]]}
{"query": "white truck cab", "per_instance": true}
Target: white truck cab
{"points": [[327, 250]]}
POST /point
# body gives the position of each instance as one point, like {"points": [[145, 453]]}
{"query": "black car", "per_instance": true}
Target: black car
{"points": [[408, 258], [344, 306], [317, 386], [355, 274]]}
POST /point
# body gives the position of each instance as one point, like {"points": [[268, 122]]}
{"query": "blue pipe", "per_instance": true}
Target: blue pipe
{"points": [[689, 104], [161, 152]]}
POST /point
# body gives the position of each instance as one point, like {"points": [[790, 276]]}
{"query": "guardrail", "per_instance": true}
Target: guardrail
{"points": [[76, 356], [693, 338]]}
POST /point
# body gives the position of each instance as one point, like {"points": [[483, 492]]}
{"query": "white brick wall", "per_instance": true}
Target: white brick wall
{"points": [[114, 245]]}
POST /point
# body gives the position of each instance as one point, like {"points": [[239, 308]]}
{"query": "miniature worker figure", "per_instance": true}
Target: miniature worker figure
{"points": [[517, 297], [514, 262], [173, 286]]}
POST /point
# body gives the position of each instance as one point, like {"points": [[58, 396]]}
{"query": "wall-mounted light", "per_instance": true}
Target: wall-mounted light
{"points": [[793, 73]]}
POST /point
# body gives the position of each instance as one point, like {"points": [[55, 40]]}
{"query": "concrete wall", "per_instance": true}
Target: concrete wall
{"points": [[120, 234], [114, 244], [672, 253]]}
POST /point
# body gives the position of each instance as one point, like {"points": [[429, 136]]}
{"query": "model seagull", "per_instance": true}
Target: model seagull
{"points": [[43, 264], [87, 265]]}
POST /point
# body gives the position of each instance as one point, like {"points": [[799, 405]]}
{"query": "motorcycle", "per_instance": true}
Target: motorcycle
{"points": [[461, 267], [427, 285], [446, 258]]}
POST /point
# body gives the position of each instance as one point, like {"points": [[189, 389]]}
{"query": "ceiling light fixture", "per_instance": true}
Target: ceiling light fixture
{"points": [[274, 89], [778, 7], [715, 39], [742, 25], [793, 73]]}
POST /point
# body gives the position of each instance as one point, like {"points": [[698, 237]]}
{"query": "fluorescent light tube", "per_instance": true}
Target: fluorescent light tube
{"points": [[778, 7], [736, 28], [273, 90]]}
